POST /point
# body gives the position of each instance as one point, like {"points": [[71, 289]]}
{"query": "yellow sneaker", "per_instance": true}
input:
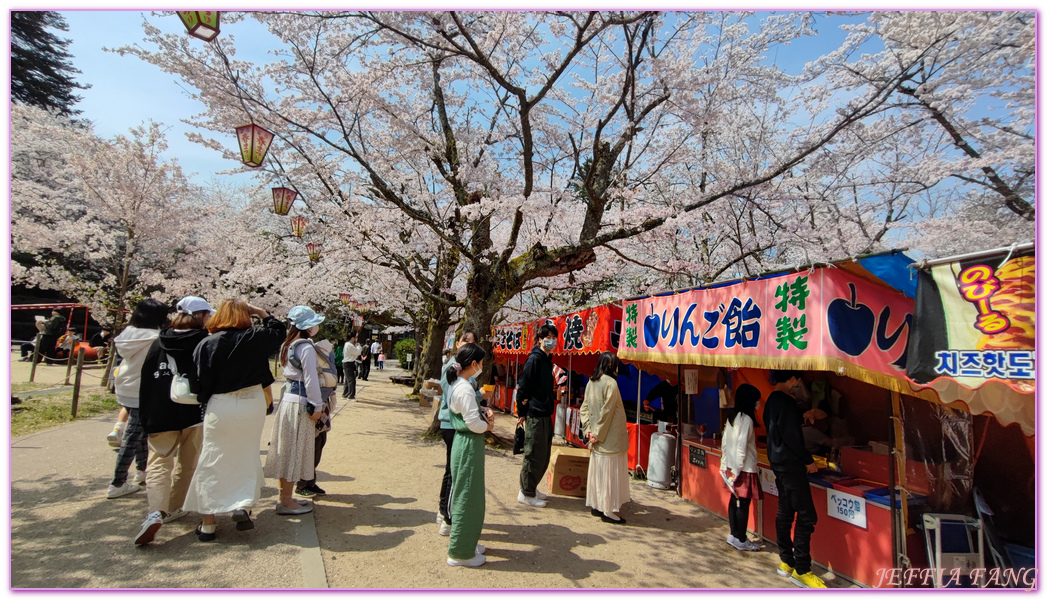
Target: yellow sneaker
{"points": [[784, 570], [807, 580]]}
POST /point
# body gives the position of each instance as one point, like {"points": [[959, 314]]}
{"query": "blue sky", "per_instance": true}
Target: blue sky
{"points": [[126, 91]]}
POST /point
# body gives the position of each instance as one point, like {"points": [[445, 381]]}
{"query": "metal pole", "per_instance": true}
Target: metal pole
{"points": [[79, 372], [639, 381], [36, 356]]}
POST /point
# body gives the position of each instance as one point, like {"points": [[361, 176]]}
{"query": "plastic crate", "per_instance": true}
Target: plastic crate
{"points": [[882, 496], [857, 487]]}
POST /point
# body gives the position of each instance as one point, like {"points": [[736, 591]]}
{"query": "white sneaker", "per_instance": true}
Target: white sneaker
{"points": [[475, 561], [540, 495], [139, 479], [445, 528], [480, 549], [151, 525], [737, 543], [178, 514], [124, 490], [115, 436], [439, 518], [535, 502]]}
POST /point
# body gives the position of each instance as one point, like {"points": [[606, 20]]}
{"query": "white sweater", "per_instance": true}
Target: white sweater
{"points": [[739, 446], [132, 345], [463, 402]]}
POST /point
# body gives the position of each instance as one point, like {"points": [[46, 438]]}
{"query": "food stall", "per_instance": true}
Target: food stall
{"points": [[845, 326], [512, 343], [973, 344]]}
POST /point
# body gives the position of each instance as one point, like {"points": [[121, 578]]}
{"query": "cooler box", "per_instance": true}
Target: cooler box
{"points": [[568, 471]]}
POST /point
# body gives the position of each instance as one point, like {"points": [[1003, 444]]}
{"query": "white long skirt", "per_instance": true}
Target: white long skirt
{"points": [[229, 472], [293, 441], [608, 482]]}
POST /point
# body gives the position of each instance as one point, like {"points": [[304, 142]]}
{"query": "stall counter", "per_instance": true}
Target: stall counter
{"points": [[841, 546]]}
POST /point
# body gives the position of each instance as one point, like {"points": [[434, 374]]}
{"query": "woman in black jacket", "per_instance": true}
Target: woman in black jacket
{"points": [[174, 430], [233, 367]]}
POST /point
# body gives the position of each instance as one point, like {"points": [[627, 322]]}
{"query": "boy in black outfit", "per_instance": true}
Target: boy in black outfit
{"points": [[791, 462]]}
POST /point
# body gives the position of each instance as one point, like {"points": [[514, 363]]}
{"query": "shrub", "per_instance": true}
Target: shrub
{"points": [[403, 348]]}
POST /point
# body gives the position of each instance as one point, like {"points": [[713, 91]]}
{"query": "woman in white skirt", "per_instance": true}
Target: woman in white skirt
{"points": [[291, 447], [603, 424], [233, 368]]}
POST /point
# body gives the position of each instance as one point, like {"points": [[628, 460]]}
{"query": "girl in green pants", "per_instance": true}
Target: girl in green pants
{"points": [[467, 502]]}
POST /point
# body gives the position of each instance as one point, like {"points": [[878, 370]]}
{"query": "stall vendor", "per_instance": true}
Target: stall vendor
{"points": [[662, 401]]}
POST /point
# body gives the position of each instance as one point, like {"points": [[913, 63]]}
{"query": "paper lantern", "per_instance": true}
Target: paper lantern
{"points": [[298, 223], [283, 198], [344, 298], [254, 143], [202, 24], [314, 249]]}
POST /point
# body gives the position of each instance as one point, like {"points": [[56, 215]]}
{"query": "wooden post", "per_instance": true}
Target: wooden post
{"points": [[900, 461], [36, 357], [111, 353], [79, 372], [69, 362]]}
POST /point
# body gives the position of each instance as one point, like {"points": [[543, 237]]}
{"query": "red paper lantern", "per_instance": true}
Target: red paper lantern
{"points": [[314, 249], [344, 298], [298, 223], [283, 198], [254, 143], [202, 24]]}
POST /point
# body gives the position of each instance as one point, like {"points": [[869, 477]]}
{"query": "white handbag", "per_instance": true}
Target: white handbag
{"points": [[180, 392]]}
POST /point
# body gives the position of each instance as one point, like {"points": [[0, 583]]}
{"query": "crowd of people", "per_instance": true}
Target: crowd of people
{"points": [[195, 388]]}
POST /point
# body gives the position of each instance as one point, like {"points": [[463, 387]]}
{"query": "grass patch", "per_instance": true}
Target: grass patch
{"points": [[44, 412], [21, 388]]}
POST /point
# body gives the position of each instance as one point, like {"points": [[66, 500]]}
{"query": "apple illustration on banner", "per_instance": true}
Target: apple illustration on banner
{"points": [[851, 325], [651, 325]]}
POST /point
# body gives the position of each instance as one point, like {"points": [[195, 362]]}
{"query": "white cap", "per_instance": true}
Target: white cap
{"points": [[193, 304]]}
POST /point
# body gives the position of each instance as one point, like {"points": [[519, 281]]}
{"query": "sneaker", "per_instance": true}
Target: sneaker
{"points": [[126, 489], [807, 580], [445, 529], [737, 543], [204, 536], [304, 492], [178, 514], [243, 521], [475, 561], [480, 549], [540, 495], [315, 489], [784, 570], [535, 502], [115, 436], [301, 510], [439, 519], [139, 479], [151, 525], [751, 546]]}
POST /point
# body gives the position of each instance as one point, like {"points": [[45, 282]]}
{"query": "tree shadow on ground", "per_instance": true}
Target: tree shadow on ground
{"points": [[342, 514], [553, 548]]}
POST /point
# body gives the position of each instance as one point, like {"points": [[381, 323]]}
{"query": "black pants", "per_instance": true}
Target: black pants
{"points": [[738, 516], [349, 391], [538, 444], [318, 450], [341, 373], [47, 345], [794, 499], [445, 487], [365, 369]]}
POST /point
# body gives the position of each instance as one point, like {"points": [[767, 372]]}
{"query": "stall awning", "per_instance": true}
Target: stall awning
{"points": [[974, 333], [511, 340], [841, 317]]}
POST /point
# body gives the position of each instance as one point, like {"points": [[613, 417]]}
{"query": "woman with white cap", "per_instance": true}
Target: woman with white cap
{"points": [[174, 429], [290, 456], [232, 365]]}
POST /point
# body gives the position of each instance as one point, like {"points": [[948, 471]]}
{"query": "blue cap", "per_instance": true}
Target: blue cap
{"points": [[303, 317]]}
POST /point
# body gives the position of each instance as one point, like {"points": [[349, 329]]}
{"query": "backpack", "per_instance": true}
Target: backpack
{"points": [[324, 365]]}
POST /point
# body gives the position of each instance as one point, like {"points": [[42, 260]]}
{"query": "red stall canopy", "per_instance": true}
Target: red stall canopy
{"points": [[584, 335]]}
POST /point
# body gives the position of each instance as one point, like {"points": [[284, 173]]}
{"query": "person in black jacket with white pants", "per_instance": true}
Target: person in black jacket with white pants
{"points": [[536, 400], [791, 462]]}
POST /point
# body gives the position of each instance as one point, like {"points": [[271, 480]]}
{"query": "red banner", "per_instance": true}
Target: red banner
{"points": [[588, 331]]}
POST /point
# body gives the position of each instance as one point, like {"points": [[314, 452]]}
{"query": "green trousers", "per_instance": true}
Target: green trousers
{"points": [[538, 443], [467, 502]]}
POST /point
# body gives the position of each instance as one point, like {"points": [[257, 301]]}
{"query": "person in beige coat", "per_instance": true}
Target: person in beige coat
{"points": [[603, 424]]}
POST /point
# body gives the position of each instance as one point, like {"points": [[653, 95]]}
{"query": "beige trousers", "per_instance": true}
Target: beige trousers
{"points": [[166, 484]]}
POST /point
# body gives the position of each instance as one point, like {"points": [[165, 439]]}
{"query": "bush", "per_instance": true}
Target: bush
{"points": [[403, 348]]}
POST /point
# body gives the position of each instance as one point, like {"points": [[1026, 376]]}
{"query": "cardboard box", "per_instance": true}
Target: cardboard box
{"points": [[568, 471]]}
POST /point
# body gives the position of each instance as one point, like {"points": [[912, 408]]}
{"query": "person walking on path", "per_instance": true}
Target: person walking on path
{"points": [[233, 367], [174, 431], [535, 404], [738, 465], [470, 421], [603, 424], [381, 360], [447, 432], [338, 360], [791, 462], [133, 344], [291, 448], [365, 361], [376, 348], [350, 363]]}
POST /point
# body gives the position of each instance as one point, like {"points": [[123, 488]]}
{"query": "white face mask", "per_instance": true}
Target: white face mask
{"points": [[478, 371], [548, 344]]}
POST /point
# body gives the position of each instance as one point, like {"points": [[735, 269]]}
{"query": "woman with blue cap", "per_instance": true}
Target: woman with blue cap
{"points": [[290, 456]]}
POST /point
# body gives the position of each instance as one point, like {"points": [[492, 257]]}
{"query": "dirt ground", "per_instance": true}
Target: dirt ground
{"points": [[376, 527]]}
